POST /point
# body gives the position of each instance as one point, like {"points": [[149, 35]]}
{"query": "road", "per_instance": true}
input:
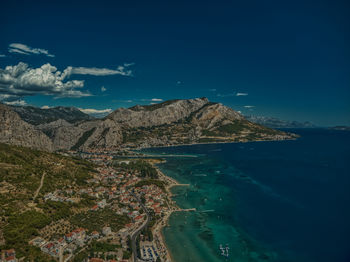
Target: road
{"points": [[40, 186], [136, 233]]}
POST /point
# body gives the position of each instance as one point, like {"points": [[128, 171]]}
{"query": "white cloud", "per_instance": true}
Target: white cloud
{"points": [[156, 100], [120, 70], [16, 103], [241, 94], [21, 80], [92, 111], [249, 107], [27, 50], [45, 107], [1, 55], [103, 89]]}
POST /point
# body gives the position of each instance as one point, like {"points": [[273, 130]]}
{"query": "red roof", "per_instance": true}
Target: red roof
{"points": [[78, 230], [96, 259], [49, 245]]}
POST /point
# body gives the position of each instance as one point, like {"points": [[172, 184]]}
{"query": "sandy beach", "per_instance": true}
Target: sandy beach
{"points": [[158, 228]]}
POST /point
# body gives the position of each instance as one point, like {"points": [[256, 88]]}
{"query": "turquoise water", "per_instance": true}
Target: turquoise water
{"points": [[266, 201]]}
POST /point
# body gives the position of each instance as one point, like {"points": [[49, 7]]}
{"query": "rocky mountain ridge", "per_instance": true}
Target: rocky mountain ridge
{"points": [[172, 122], [13, 130], [36, 116]]}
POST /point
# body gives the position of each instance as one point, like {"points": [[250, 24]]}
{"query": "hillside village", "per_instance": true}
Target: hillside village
{"points": [[119, 201]]}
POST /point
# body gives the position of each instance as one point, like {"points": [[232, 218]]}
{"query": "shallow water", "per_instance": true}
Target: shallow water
{"points": [[266, 201]]}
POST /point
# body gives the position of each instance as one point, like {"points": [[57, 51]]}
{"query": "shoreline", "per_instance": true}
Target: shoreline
{"points": [[164, 221], [217, 142]]}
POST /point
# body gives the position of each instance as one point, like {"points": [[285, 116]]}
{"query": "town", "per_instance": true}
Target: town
{"points": [[126, 203]]}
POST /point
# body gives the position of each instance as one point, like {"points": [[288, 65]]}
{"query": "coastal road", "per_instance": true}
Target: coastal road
{"points": [[136, 233]]}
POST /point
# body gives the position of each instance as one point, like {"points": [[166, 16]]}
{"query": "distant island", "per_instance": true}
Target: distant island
{"points": [[342, 128], [274, 122], [173, 122]]}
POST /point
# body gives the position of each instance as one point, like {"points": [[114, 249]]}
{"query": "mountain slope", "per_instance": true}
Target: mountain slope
{"points": [[158, 114], [172, 122], [37, 116], [13, 130], [21, 173]]}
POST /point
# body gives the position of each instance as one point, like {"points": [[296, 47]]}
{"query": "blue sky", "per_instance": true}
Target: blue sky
{"points": [[287, 59]]}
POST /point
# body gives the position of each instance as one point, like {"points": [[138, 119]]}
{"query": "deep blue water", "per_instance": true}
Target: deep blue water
{"points": [[279, 201]]}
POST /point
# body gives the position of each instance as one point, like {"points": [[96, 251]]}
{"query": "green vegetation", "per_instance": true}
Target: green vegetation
{"points": [[147, 182], [56, 210], [23, 227], [95, 220], [83, 138], [21, 170], [132, 136], [142, 167], [233, 128], [102, 247], [81, 256], [126, 254]]}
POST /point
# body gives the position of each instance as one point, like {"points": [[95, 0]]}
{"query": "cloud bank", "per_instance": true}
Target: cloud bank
{"points": [[99, 113], [95, 111], [21, 80], [27, 50], [16, 103]]}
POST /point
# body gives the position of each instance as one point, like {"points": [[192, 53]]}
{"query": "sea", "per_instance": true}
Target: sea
{"points": [[261, 201]]}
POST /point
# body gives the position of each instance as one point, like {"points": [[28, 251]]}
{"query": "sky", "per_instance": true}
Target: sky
{"points": [[285, 59]]}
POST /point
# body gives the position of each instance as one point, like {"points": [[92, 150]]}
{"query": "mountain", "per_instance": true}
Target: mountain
{"points": [[278, 123], [13, 130], [172, 122], [341, 128], [37, 116]]}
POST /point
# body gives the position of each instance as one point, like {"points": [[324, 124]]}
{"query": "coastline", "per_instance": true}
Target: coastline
{"points": [[217, 142], [170, 183], [158, 228]]}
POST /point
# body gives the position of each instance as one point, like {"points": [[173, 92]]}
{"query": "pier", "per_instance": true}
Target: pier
{"points": [[185, 210]]}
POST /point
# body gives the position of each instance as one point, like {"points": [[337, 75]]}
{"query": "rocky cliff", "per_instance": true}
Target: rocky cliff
{"points": [[13, 130], [36, 116]]}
